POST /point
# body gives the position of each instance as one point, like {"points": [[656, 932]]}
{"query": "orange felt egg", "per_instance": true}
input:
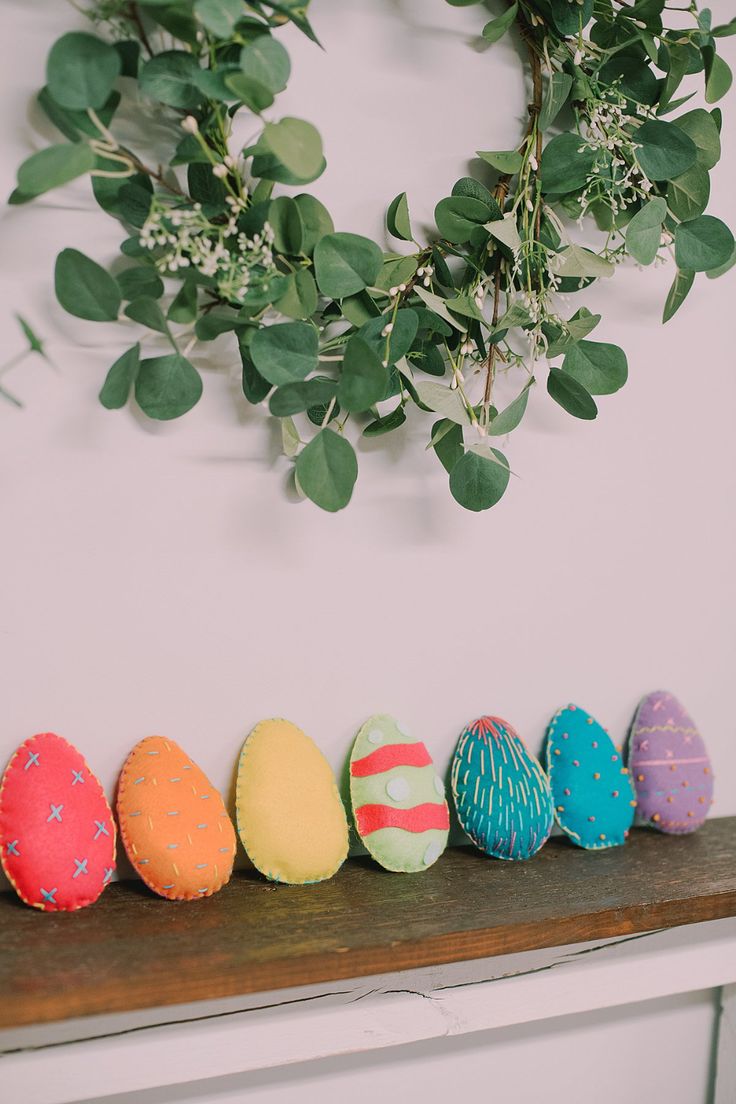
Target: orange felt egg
{"points": [[173, 822]]}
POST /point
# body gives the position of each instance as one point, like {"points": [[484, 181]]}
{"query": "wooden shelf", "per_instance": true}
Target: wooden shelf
{"points": [[133, 950]]}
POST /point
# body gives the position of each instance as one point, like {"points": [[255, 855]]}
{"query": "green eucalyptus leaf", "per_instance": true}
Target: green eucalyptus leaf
{"points": [[219, 17], [567, 162], [54, 166], [688, 195], [345, 264], [718, 76], [148, 313], [555, 98], [397, 218], [479, 478], [295, 398], [664, 151], [447, 442], [458, 216], [599, 367], [183, 308], [287, 225], [700, 125], [327, 469], [141, 281], [300, 298], [506, 161], [443, 400], [255, 387], [702, 243], [285, 352], [316, 221], [570, 395], [645, 230], [508, 419], [171, 78], [167, 387], [498, 27], [120, 379], [84, 288], [364, 377], [265, 60], [81, 71], [253, 94], [719, 270], [386, 424], [678, 293], [296, 145], [395, 345]]}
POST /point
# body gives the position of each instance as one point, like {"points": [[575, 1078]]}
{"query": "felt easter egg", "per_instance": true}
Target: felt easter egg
{"points": [[57, 835], [290, 816], [591, 788], [173, 822], [670, 765], [398, 798], [501, 792]]}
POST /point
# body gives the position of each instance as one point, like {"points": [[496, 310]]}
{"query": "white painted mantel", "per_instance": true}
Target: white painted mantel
{"points": [[609, 1019]]}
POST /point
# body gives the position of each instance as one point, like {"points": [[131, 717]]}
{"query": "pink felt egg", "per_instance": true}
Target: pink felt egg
{"points": [[57, 835]]}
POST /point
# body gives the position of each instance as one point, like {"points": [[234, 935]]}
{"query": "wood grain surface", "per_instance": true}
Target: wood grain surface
{"points": [[132, 950]]}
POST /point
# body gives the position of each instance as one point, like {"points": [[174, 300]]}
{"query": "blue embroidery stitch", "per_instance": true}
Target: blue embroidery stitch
{"points": [[81, 868], [12, 848], [32, 760], [55, 813], [76, 777], [101, 829]]}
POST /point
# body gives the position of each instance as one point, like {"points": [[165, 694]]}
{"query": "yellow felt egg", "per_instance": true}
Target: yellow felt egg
{"points": [[290, 816]]}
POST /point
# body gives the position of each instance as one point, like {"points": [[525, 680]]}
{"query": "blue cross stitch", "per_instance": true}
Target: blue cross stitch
{"points": [[81, 868], [76, 777], [101, 829], [55, 813], [32, 760], [108, 874], [48, 895], [12, 848]]}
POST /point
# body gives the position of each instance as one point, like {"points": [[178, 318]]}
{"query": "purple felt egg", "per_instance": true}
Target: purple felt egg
{"points": [[670, 765]]}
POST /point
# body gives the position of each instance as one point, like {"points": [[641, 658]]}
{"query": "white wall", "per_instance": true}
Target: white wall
{"points": [[160, 578]]}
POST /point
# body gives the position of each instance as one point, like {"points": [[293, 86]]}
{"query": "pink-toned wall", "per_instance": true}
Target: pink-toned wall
{"points": [[161, 579]]}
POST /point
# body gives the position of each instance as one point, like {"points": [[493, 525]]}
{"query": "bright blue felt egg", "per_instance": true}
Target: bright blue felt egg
{"points": [[592, 791], [501, 793]]}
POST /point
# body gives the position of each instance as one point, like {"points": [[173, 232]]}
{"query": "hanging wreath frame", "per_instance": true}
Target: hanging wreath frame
{"points": [[338, 336]]}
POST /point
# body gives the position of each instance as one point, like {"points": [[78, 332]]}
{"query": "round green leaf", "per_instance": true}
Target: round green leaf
{"points": [[397, 218], [327, 469], [81, 70], [567, 162], [84, 288], [219, 16], [364, 376], [170, 78], [296, 145], [399, 341], [688, 195], [458, 216], [665, 151], [265, 60], [140, 282], [345, 264], [300, 298], [167, 387], [702, 243], [285, 352], [316, 221], [477, 481], [599, 367], [286, 223], [570, 395], [637, 81], [295, 398], [701, 127]]}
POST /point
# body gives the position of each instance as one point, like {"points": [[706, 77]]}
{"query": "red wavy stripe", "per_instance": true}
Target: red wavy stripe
{"points": [[371, 818], [392, 755]]}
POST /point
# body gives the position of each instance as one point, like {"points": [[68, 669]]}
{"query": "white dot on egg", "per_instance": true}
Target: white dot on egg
{"points": [[432, 853], [375, 736], [402, 729], [439, 785], [398, 788]]}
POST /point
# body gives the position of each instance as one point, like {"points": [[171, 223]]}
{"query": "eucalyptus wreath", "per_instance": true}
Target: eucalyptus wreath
{"points": [[339, 336]]}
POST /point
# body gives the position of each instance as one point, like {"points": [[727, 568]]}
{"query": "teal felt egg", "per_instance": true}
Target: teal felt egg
{"points": [[501, 793], [593, 795]]}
